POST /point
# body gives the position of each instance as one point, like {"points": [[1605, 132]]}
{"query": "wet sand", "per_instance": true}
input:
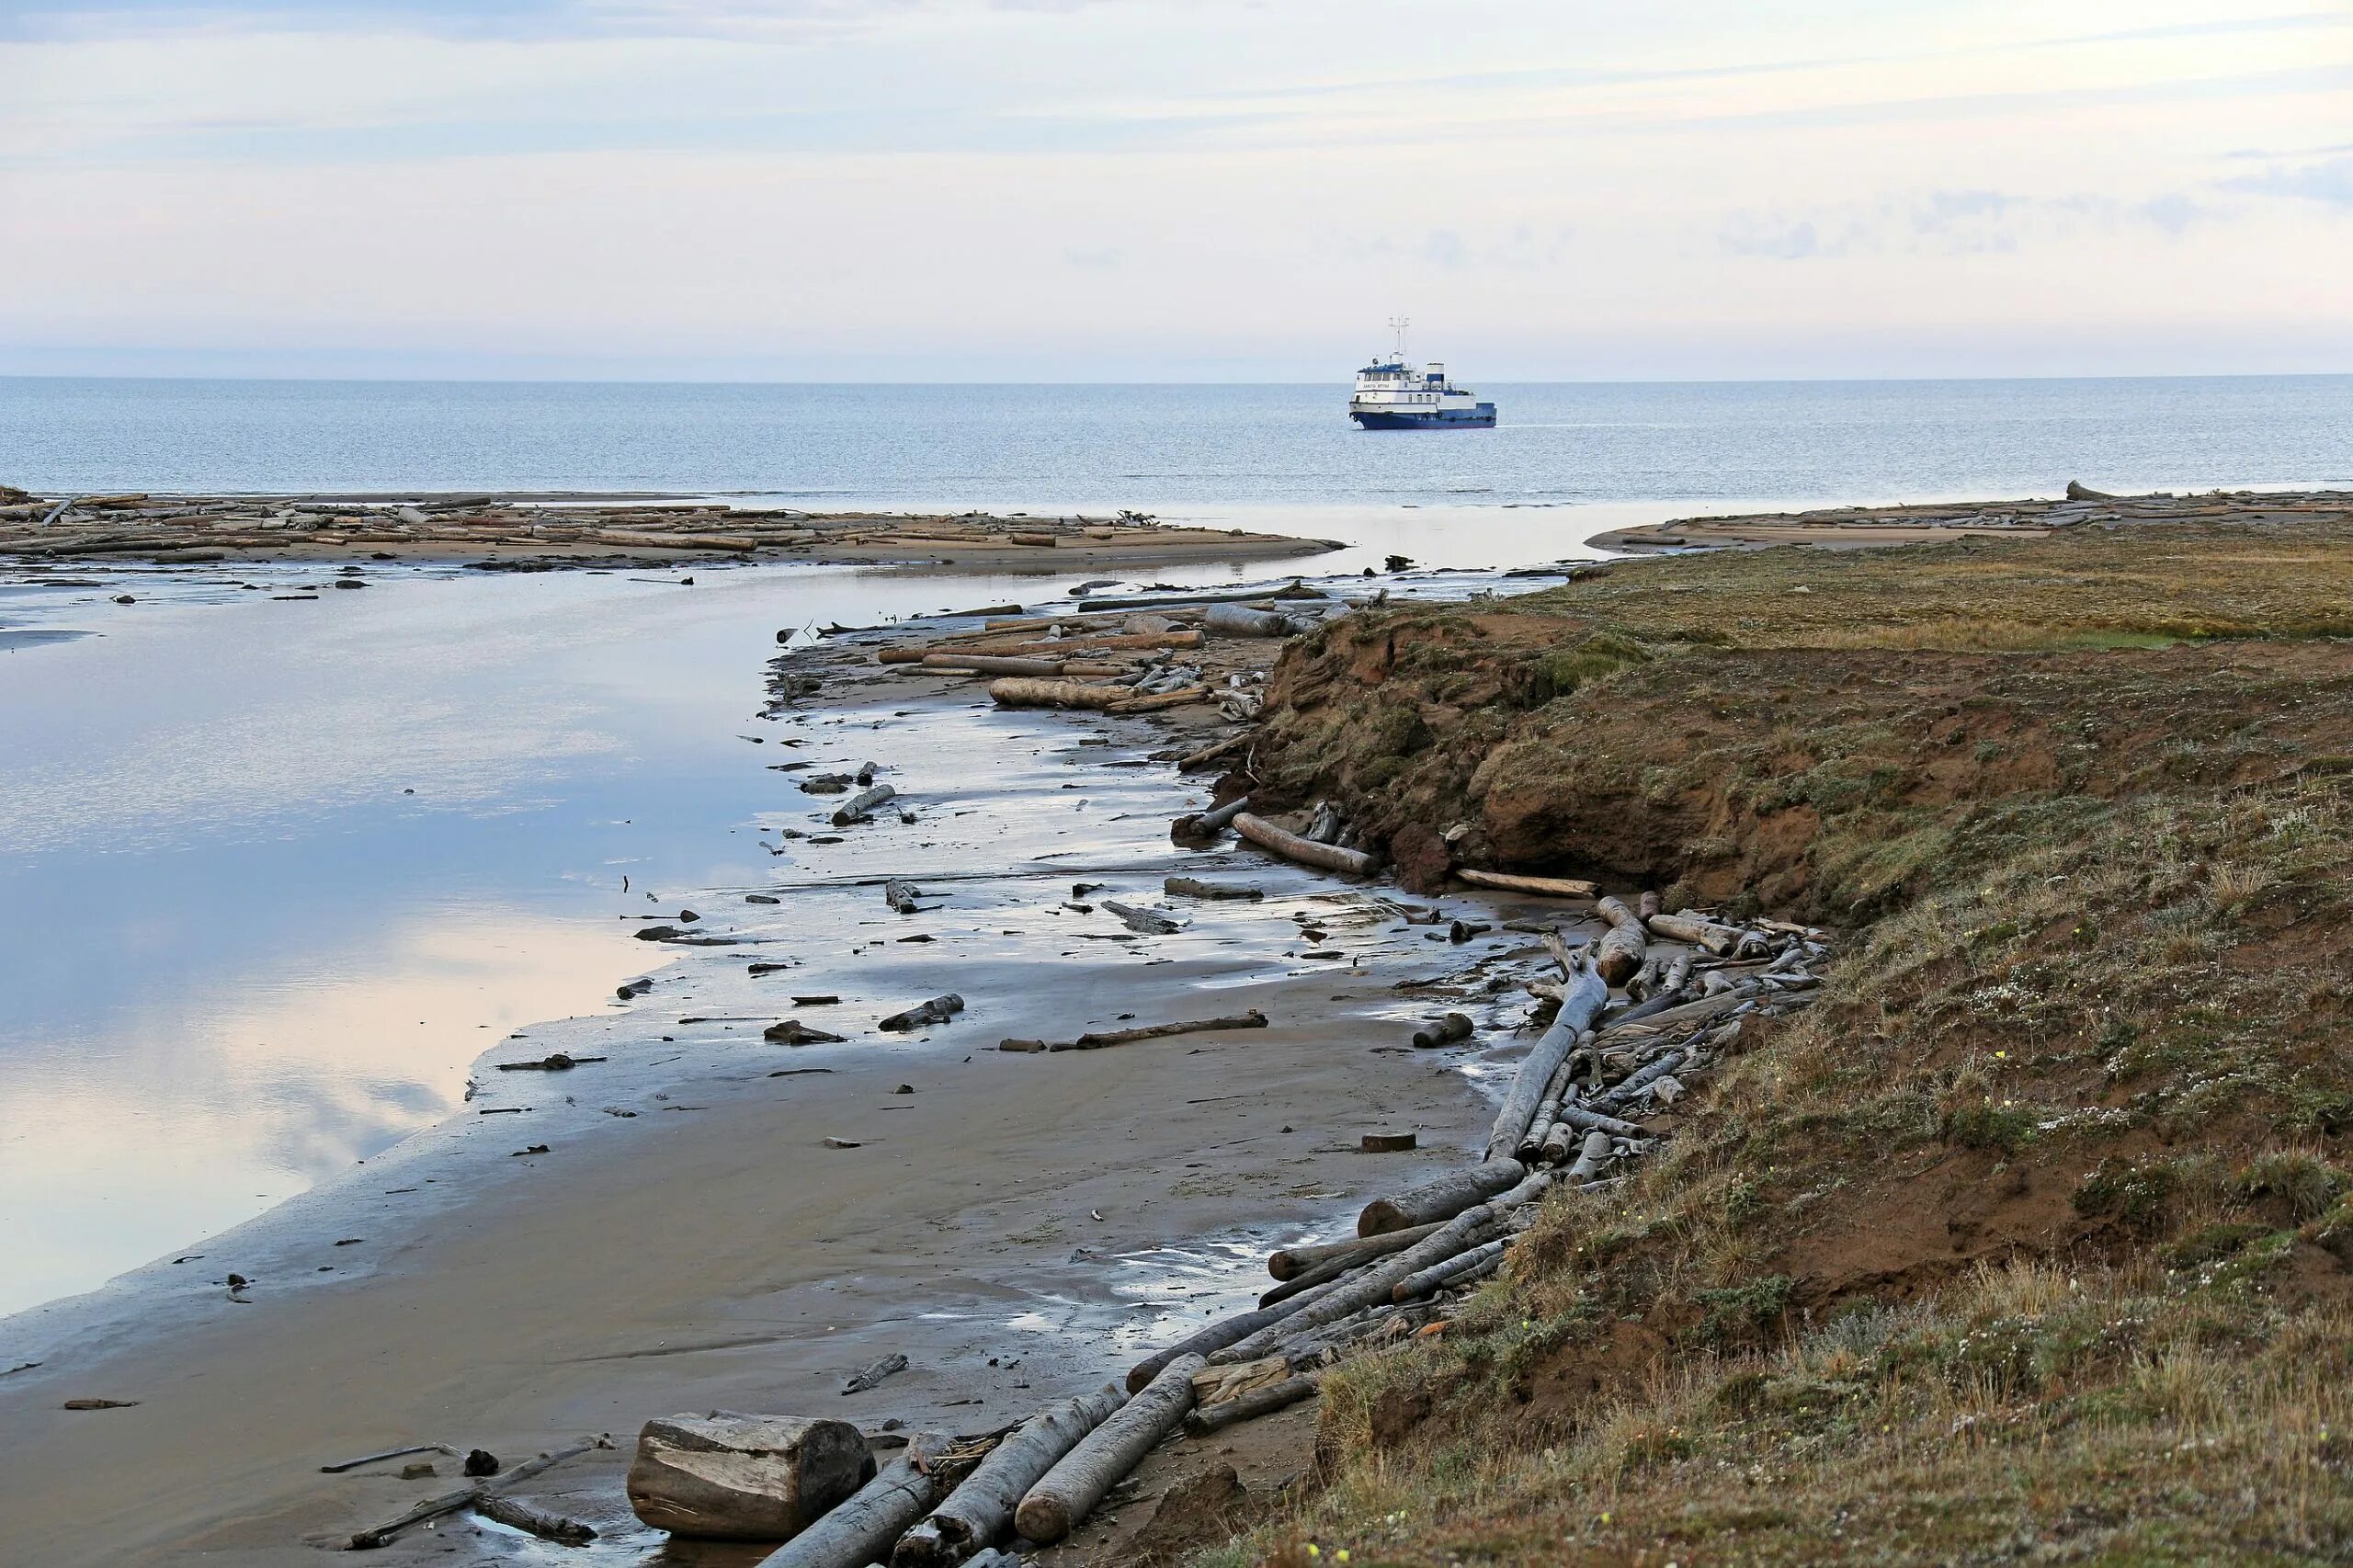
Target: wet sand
{"points": [[710, 1250]]}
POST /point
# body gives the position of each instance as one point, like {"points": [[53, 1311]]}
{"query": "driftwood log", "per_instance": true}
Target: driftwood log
{"points": [[1306, 851], [991, 665], [1249, 1406], [1452, 1030], [983, 1504], [1619, 955], [900, 895], [1239, 620], [1370, 1288], [1150, 922], [1024, 691], [1546, 887], [1253, 1019], [1438, 1274], [939, 1010], [860, 806], [1214, 1338], [1581, 999], [863, 1530], [516, 1514], [1290, 1263], [1193, 887], [1208, 824], [1439, 1199], [727, 1476], [1699, 931], [1102, 1458]]}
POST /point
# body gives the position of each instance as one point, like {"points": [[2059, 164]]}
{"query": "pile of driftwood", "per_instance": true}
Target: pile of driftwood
{"points": [[1117, 661], [1630, 1020]]}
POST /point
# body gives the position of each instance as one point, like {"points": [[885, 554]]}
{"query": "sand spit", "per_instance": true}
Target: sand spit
{"points": [[519, 532], [697, 1216], [1925, 522]]}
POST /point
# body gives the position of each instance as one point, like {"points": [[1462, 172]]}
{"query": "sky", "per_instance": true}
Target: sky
{"points": [[1175, 191]]}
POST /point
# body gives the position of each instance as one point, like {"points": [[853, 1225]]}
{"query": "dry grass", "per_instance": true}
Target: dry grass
{"points": [[2031, 1239]]}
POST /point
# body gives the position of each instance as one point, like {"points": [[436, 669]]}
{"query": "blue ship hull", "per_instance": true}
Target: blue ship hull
{"points": [[1480, 418]]}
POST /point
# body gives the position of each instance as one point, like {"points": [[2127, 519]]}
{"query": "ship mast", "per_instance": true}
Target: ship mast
{"points": [[1398, 325]]}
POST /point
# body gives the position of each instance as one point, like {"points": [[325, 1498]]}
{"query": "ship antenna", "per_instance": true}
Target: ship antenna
{"points": [[1398, 325]]}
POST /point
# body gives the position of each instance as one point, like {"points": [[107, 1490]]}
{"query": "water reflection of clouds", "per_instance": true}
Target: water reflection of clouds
{"points": [[240, 1091]]}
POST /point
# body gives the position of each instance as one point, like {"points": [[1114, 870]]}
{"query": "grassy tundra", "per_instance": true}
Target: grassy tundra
{"points": [[2034, 1238]]}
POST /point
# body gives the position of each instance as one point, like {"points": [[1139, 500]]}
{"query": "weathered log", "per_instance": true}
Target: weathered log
{"points": [[1150, 922], [901, 896], [1215, 751], [1452, 1030], [863, 1530], [1193, 887], [1291, 847], [1217, 1335], [727, 1476], [1020, 691], [1699, 931], [516, 1514], [1249, 1406], [792, 1031], [873, 1372], [1102, 1458], [1642, 1078], [1620, 952], [1239, 620], [1210, 823], [1430, 1280], [1440, 1198], [1153, 702], [1685, 1013], [1556, 1094], [1371, 1288], [1589, 1159], [1253, 1019], [1581, 1000], [939, 1010], [860, 806], [983, 1504], [991, 665], [1585, 1119], [1290, 1263], [1546, 887]]}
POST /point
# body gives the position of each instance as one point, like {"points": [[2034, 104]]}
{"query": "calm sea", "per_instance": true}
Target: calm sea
{"points": [[1174, 446]]}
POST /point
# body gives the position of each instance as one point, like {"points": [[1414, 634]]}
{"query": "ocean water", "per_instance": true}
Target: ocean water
{"points": [[1175, 447]]}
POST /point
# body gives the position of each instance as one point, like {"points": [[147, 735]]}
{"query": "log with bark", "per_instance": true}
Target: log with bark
{"points": [[1439, 1199], [727, 1476], [1546, 887], [863, 1530], [901, 896], [1618, 954], [1149, 922], [1699, 931], [516, 1514], [1022, 692], [1253, 1019], [1291, 847], [1452, 1030], [1067, 1493], [983, 1504]]}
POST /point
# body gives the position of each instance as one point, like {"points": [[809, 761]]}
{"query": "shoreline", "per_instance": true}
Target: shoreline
{"points": [[517, 531], [1922, 522], [668, 1259]]}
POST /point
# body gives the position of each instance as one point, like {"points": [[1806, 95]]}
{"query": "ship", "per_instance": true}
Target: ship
{"points": [[1393, 394]]}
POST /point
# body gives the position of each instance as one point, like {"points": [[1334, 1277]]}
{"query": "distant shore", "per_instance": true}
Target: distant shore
{"points": [[1924, 522], [540, 531]]}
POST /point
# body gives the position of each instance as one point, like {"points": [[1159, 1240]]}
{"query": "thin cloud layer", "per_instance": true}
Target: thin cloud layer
{"points": [[1125, 187]]}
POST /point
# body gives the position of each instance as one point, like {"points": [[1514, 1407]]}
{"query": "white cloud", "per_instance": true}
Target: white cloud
{"points": [[1130, 187]]}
